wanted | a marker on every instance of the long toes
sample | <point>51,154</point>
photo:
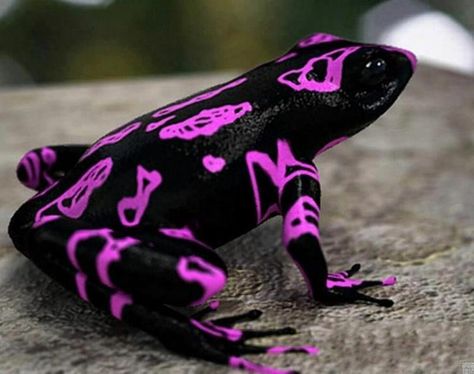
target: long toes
<point>307,349</point>
<point>354,269</point>
<point>250,334</point>
<point>382,302</point>
<point>251,315</point>
<point>252,367</point>
<point>211,307</point>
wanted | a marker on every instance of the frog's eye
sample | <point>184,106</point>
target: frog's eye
<point>374,72</point>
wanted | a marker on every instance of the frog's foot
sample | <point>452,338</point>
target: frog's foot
<point>343,288</point>
<point>232,342</point>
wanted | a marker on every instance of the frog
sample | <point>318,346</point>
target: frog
<point>132,223</point>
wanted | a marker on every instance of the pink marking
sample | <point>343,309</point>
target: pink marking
<point>341,280</point>
<point>32,164</point>
<point>44,220</point>
<point>389,281</point>
<point>332,80</point>
<point>331,144</point>
<point>109,253</point>
<point>111,139</point>
<point>308,349</point>
<point>277,173</point>
<point>213,164</point>
<point>210,278</point>
<point>242,363</point>
<point>183,233</point>
<point>147,182</point>
<point>214,304</point>
<point>117,302</point>
<point>317,38</point>
<point>48,155</point>
<point>50,187</point>
<point>155,125</point>
<point>230,334</point>
<point>286,57</point>
<point>299,219</point>
<point>205,123</point>
<point>198,98</point>
<point>81,280</point>
<point>411,56</point>
<point>79,194</point>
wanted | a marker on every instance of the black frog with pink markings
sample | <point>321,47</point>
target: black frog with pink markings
<point>132,222</point>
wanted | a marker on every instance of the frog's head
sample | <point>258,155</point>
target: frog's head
<point>343,85</point>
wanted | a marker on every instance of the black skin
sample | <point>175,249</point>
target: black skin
<point>215,207</point>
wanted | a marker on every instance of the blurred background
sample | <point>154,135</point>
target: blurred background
<point>51,41</point>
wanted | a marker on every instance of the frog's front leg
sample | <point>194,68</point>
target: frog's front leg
<point>41,167</point>
<point>300,207</point>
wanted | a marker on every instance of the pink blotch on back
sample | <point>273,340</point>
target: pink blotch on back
<point>198,98</point>
<point>213,164</point>
<point>118,301</point>
<point>317,38</point>
<point>147,182</point>
<point>205,123</point>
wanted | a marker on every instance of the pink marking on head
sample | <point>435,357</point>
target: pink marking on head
<point>286,57</point>
<point>81,281</point>
<point>242,363</point>
<point>111,139</point>
<point>213,164</point>
<point>79,194</point>
<point>317,38</point>
<point>277,173</point>
<point>155,125</point>
<point>204,96</point>
<point>210,278</point>
<point>228,333</point>
<point>308,349</point>
<point>389,281</point>
<point>206,123</point>
<point>332,80</point>
<point>184,233</point>
<point>147,182</point>
<point>409,55</point>
<point>331,144</point>
<point>117,302</point>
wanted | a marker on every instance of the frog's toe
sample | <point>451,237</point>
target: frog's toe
<point>251,315</point>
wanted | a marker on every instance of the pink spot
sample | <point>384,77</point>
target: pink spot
<point>331,144</point>
<point>317,38</point>
<point>308,349</point>
<point>155,125</point>
<point>195,269</point>
<point>75,200</point>
<point>111,139</point>
<point>81,280</point>
<point>230,334</point>
<point>147,182</point>
<point>205,123</point>
<point>286,57</point>
<point>32,165</point>
<point>389,281</point>
<point>214,304</point>
<point>182,233</point>
<point>277,172</point>
<point>213,164</point>
<point>298,80</point>
<point>301,219</point>
<point>242,363</point>
<point>44,220</point>
<point>204,96</point>
<point>48,155</point>
<point>117,302</point>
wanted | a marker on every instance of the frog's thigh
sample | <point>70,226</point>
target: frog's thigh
<point>163,270</point>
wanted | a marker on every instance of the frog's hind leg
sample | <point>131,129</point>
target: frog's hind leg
<point>132,278</point>
<point>41,167</point>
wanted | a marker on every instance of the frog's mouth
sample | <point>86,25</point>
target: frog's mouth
<point>376,97</point>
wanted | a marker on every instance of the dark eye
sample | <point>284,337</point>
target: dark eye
<point>373,72</point>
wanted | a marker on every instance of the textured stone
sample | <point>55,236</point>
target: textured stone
<point>398,198</point>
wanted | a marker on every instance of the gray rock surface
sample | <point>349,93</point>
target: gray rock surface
<point>398,198</point>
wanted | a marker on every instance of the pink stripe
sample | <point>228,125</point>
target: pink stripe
<point>81,280</point>
<point>117,302</point>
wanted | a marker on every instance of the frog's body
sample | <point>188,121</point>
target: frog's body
<point>130,223</point>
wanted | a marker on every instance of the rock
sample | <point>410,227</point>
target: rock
<point>396,198</point>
